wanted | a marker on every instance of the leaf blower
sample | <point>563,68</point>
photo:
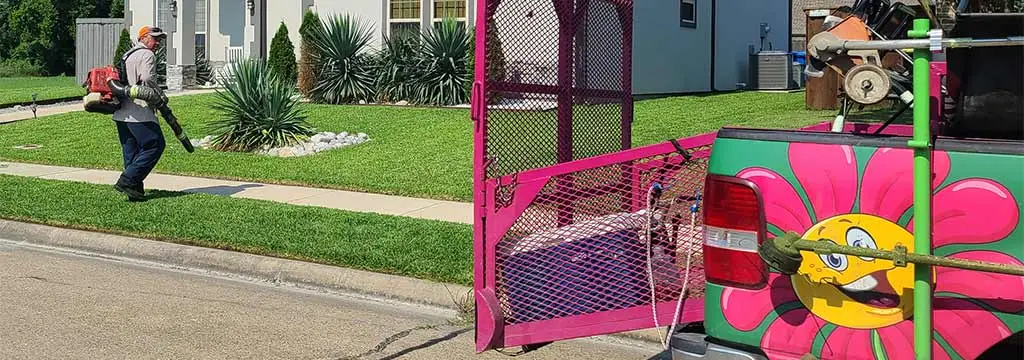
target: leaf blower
<point>106,92</point>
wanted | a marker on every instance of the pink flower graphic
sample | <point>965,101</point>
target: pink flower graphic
<point>968,211</point>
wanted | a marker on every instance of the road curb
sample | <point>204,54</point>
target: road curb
<point>259,267</point>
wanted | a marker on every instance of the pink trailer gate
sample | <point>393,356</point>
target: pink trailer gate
<point>575,231</point>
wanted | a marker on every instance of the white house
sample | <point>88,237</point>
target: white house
<point>679,46</point>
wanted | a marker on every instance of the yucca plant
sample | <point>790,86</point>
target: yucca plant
<point>442,63</point>
<point>204,73</point>
<point>343,61</point>
<point>396,68</point>
<point>258,109</point>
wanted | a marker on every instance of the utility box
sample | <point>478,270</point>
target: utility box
<point>771,70</point>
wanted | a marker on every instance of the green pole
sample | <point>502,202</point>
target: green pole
<point>922,196</point>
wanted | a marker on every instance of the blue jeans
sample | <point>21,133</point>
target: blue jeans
<point>142,144</point>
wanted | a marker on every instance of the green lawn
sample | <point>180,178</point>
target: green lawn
<point>413,152</point>
<point>424,249</point>
<point>19,90</point>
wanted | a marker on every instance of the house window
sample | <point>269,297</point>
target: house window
<point>200,16</point>
<point>688,13</point>
<point>201,44</point>
<point>404,16</point>
<point>201,21</point>
<point>163,14</point>
<point>453,9</point>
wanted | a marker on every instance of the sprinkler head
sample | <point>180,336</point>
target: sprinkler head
<point>780,254</point>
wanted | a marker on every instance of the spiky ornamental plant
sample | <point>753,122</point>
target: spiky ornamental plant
<point>442,62</point>
<point>257,110</point>
<point>204,74</point>
<point>307,74</point>
<point>344,65</point>
<point>161,65</point>
<point>471,61</point>
<point>282,55</point>
<point>397,68</point>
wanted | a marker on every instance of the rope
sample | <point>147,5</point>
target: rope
<point>651,200</point>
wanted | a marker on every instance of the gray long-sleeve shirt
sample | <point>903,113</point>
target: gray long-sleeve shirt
<point>141,68</point>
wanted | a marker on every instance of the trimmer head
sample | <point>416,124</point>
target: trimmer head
<point>779,254</point>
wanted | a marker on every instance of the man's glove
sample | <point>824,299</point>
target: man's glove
<point>155,97</point>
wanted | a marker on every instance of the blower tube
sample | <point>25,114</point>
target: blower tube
<point>156,98</point>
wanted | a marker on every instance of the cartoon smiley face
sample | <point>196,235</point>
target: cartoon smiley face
<point>851,291</point>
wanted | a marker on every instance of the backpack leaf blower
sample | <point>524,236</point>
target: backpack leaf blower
<point>106,92</point>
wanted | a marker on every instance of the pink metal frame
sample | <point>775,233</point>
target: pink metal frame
<point>495,215</point>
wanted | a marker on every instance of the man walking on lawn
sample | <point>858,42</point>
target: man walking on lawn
<point>142,141</point>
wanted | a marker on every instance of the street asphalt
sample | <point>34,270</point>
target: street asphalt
<point>59,304</point>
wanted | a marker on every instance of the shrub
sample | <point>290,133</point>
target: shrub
<point>257,109</point>
<point>282,55</point>
<point>307,77</point>
<point>442,62</point>
<point>496,64</point>
<point>204,74</point>
<point>397,68</point>
<point>117,9</point>
<point>344,66</point>
<point>124,43</point>
<point>32,24</point>
<point>19,68</point>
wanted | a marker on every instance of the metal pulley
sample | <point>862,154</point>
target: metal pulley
<point>867,84</point>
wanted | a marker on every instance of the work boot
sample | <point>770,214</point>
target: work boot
<point>134,193</point>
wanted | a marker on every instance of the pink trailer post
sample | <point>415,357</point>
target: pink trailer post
<point>575,232</point>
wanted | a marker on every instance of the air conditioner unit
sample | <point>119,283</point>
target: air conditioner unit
<point>771,70</point>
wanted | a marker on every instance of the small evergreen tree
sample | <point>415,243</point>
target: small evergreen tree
<point>282,55</point>
<point>124,43</point>
<point>307,76</point>
<point>117,9</point>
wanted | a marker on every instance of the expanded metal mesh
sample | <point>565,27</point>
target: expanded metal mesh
<point>582,246</point>
<point>560,96</point>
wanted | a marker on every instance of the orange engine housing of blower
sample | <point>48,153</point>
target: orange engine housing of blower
<point>96,81</point>
<point>99,98</point>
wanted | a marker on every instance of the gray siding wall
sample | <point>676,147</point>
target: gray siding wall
<point>737,28</point>
<point>668,58</point>
<point>95,43</point>
<point>231,20</point>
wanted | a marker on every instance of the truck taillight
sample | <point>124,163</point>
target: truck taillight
<point>734,226</point>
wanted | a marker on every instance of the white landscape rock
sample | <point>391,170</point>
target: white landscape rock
<point>319,142</point>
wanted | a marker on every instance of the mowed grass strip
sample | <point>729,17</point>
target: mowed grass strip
<point>19,90</point>
<point>425,249</point>
<point>418,152</point>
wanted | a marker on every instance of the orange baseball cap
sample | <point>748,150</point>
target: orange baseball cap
<point>151,31</point>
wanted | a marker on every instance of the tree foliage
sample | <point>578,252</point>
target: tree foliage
<point>282,55</point>
<point>124,43</point>
<point>42,32</point>
<point>307,52</point>
<point>117,9</point>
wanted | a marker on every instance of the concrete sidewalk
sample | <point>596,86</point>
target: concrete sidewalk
<point>25,113</point>
<point>295,195</point>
